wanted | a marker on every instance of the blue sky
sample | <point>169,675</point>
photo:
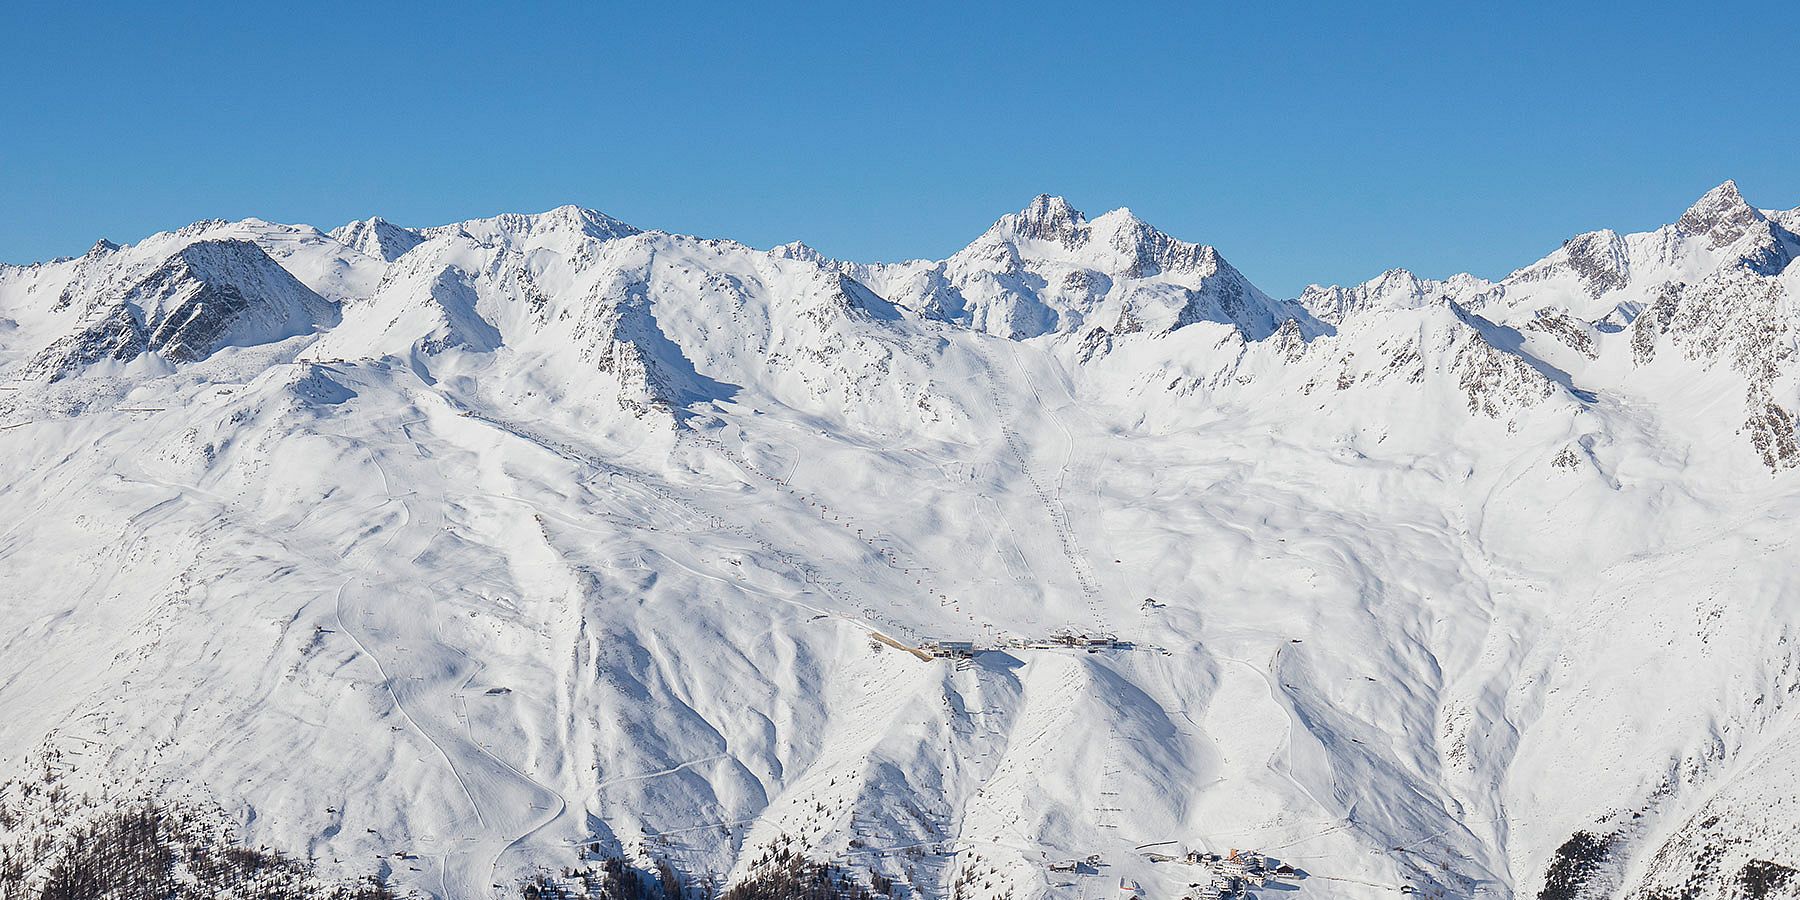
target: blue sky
<point>1307,144</point>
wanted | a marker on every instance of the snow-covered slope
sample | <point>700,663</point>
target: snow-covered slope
<point>493,541</point>
<point>377,237</point>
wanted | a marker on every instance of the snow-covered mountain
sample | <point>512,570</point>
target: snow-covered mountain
<point>377,237</point>
<point>489,543</point>
<point>1047,270</point>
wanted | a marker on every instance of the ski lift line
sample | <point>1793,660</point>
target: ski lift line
<point>1341,826</point>
<point>1059,519</point>
<point>888,555</point>
<point>743,464</point>
<point>806,571</point>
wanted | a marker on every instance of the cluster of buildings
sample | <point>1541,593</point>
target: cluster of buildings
<point>1235,873</point>
<point>1229,876</point>
<point>950,649</point>
<point>1092,642</point>
<point>1092,863</point>
<point>1070,639</point>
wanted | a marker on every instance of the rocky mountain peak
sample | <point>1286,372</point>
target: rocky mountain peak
<point>206,295</point>
<point>1047,218</point>
<point>590,222</point>
<point>798,250</point>
<point>1721,216</point>
<point>517,229</point>
<point>1392,289</point>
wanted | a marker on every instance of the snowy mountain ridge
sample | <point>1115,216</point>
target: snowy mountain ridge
<point>489,542</point>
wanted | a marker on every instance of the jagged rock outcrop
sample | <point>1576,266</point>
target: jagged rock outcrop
<point>208,295</point>
<point>1395,289</point>
<point>1048,269</point>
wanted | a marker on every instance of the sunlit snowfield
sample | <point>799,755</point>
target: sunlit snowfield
<point>494,540</point>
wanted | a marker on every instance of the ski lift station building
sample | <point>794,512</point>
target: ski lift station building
<point>950,649</point>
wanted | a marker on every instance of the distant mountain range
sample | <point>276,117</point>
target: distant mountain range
<point>481,546</point>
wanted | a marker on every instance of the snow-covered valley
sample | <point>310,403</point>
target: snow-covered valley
<point>490,543</point>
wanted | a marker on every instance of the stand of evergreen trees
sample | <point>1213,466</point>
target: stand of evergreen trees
<point>56,844</point>
<point>779,873</point>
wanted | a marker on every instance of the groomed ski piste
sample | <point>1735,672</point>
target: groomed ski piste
<point>458,552</point>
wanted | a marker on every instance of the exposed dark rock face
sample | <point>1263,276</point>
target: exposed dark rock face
<point>1153,252</point>
<point>1051,219</point>
<point>1648,327</point>
<point>1598,259</point>
<point>1495,381</point>
<point>1568,330</point>
<point>115,334</point>
<point>1723,220</point>
<point>208,295</point>
<point>1721,216</point>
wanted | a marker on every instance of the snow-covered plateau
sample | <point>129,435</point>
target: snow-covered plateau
<point>463,553</point>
